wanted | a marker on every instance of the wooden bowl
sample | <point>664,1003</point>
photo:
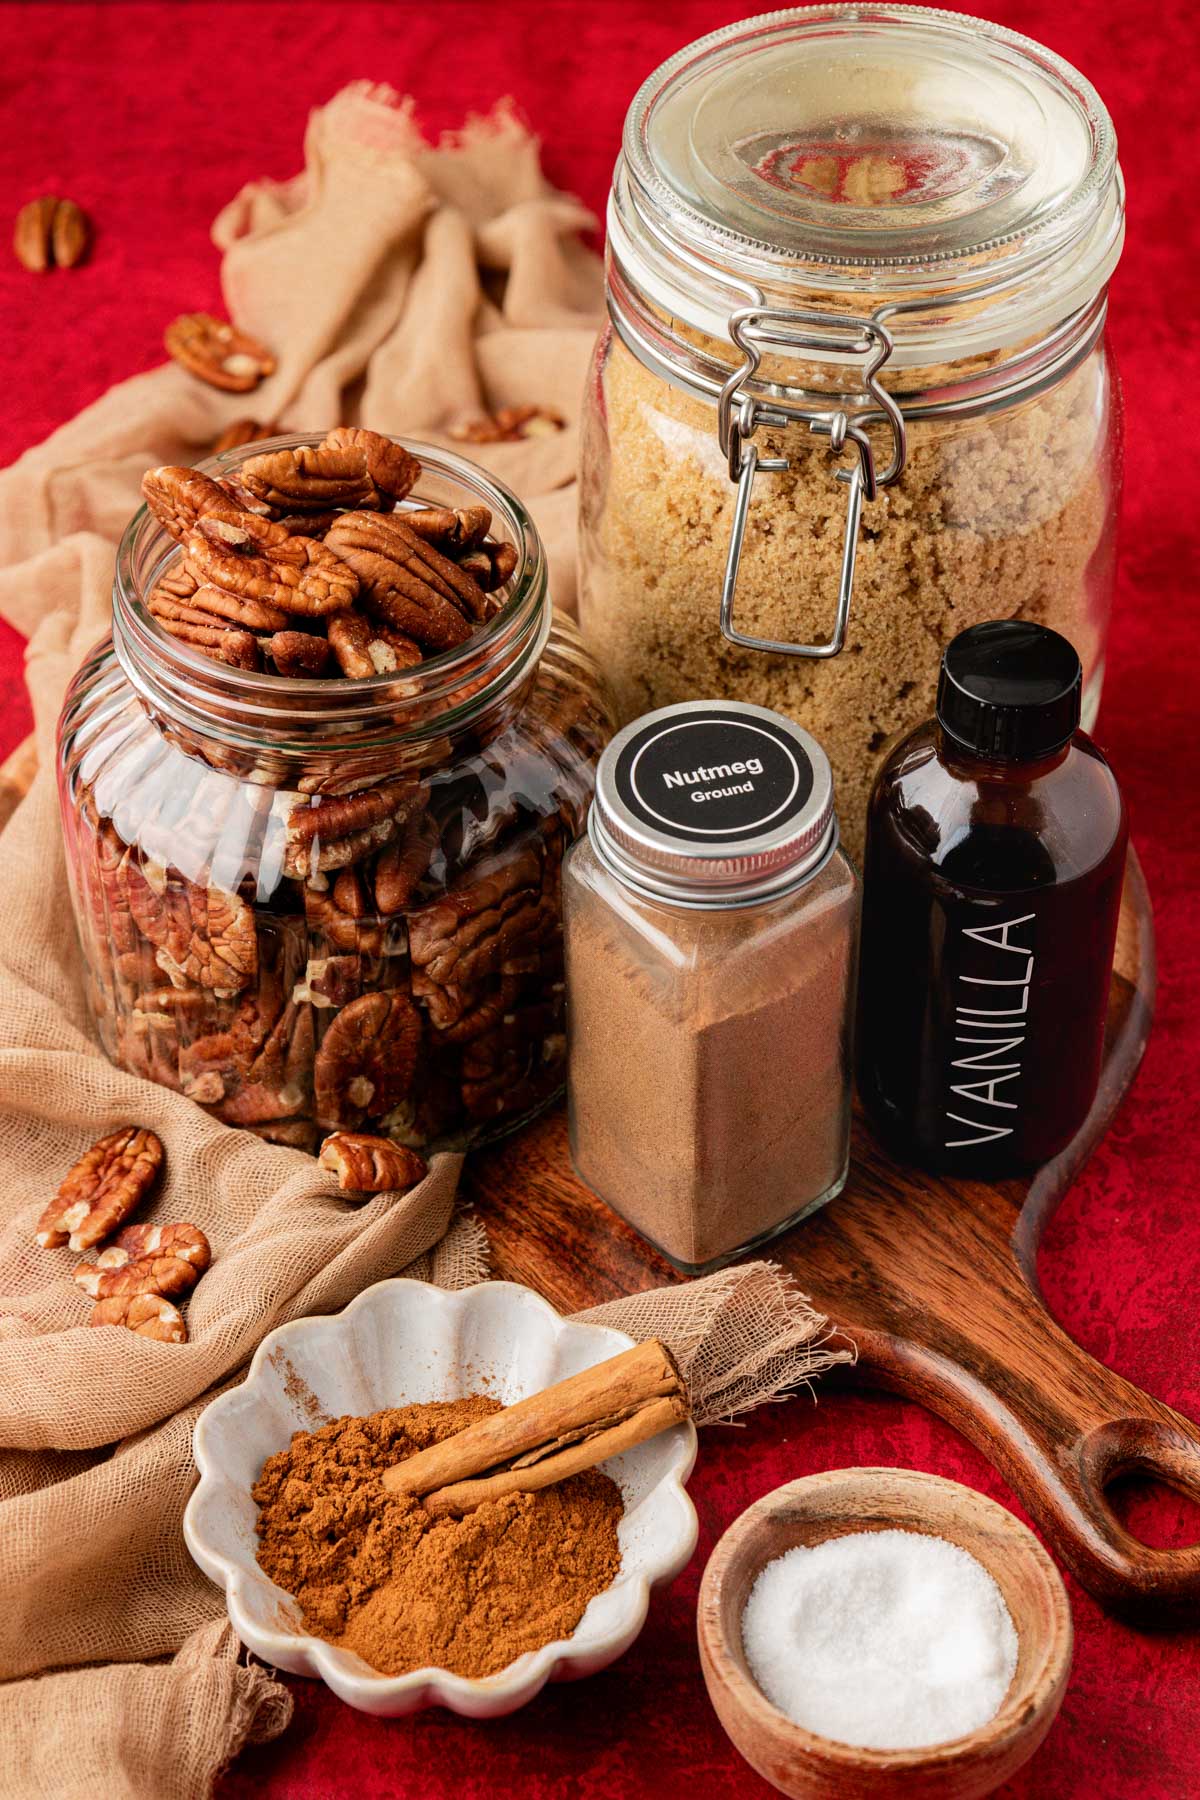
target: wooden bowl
<point>809,1767</point>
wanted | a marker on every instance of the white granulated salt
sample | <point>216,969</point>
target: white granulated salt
<point>889,1640</point>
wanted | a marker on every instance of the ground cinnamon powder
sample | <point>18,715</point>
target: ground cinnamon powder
<point>375,1573</point>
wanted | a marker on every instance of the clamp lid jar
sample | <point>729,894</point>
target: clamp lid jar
<point>711,930</point>
<point>857,273</point>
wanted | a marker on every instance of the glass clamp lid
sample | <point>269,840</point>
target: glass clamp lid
<point>713,803</point>
<point>858,186</point>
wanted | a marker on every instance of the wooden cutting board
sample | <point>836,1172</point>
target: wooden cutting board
<point>935,1280</point>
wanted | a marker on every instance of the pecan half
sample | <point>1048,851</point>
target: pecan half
<point>514,1067</point>
<point>149,1315</point>
<point>509,425</point>
<point>242,431</point>
<point>240,609</point>
<point>333,832</point>
<point>51,234</point>
<point>367,1059</point>
<point>490,922</point>
<point>203,936</point>
<point>110,904</point>
<point>293,1134</point>
<point>259,1067</point>
<point>147,1044</point>
<point>404,864</point>
<point>298,574</point>
<point>450,531</point>
<point>217,638</point>
<point>176,583</point>
<point>363,647</point>
<point>182,1240</point>
<point>406,581</point>
<point>491,565</point>
<point>341,914</point>
<point>171,1262</point>
<point>102,1189</point>
<point>218,352</point>
<point>370,1165</point>
<point>180,497</point>
<point>351,467</point>
<point>297,653</point>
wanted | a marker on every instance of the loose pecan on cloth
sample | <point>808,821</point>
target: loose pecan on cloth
<point>218,352</point>
<point>102,1189</point>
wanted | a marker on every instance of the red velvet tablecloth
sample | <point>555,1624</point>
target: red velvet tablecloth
<point>152,115</point>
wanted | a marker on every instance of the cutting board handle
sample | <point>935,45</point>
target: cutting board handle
<point>1166,1450</point>
<point>1063,1428</point>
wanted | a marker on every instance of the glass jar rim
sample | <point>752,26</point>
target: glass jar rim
<point>696,265</point>
<point>248,707</point>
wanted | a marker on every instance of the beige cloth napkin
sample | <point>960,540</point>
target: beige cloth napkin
<point>408,288</point>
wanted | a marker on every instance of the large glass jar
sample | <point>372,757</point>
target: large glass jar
<point>312,904</point>
<point>854,394</point>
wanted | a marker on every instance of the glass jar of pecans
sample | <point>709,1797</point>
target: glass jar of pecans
<point>854,395</point>
<point>313,902</point>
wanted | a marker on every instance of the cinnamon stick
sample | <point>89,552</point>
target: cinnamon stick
<point>566,1428</point>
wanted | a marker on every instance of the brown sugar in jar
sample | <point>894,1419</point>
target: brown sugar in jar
<point>711,933</point>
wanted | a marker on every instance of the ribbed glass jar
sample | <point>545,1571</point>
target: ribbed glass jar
<point>313,904</point>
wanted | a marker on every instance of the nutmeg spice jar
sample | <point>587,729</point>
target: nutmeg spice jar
<point>312,904</point>
<point>712,938</point>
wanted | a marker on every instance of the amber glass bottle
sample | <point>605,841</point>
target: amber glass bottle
<point>995,855</point>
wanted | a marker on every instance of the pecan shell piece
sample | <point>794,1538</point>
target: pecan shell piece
<point>149,1315</point>
<point>102,1189</point>
<point>218,352</point>
<point>371,1165</point>
<point>367,1059</point>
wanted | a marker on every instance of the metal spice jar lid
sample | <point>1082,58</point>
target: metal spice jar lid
<point>713,803</point>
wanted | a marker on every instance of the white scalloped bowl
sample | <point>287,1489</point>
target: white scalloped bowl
<point>397,1343</point>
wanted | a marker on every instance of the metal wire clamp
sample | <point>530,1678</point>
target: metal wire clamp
<point>740,415</point>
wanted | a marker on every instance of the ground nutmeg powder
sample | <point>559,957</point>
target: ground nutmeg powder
<point>375,1573</point>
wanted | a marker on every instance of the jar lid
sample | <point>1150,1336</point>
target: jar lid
<point>884,150</point>
<point>713,803</point>
<point>1010,689</point>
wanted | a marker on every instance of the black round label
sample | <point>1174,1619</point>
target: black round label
<point>709,777</point>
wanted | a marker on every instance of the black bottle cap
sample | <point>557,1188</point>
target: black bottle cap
<point>1010,690</point>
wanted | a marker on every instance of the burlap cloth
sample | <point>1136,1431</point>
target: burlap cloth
<point>408,288</point>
